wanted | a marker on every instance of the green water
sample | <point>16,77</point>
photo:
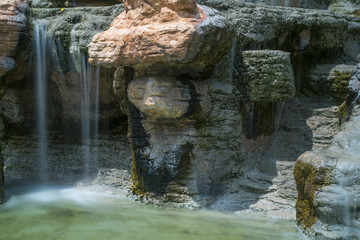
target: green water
<point>71,214</point>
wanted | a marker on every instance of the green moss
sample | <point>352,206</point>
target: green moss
<point>137,186</point>
<point>309,180</point>
<point>343,112</point>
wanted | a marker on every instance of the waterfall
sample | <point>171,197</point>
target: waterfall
<point>89,85</point>
<point>40,42</point>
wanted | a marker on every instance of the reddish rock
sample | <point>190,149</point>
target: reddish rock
<point>154,33</point>
<point>12,24</point>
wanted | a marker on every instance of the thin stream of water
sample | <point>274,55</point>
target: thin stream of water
<point>40,40</point>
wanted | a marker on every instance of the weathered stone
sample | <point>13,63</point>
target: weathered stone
<point>72,3</point>
<point>345,7</point>
<point>329,80</point>
<point>120,89</point>
<point>160,97</point>
<point>75,27</point>
<point>327,182</point>
<point>12,28</point>
<point>267,75</point>
<point>354,83</point>
<point>339,78</point>
<point>67,87</point>
<point>158,34</point>
<point>65,164</point>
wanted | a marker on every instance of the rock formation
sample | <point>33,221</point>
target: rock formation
<point>163,37</point>
<point>220,103</point>
<point>168,44</point>
<point>179,103</point>
<point>12,31</point>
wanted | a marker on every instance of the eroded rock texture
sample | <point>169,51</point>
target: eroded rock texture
<point>267,76</point>
<point>152,36</point>
<point>327,182</point>
<point>12,28</point>
<point>168,45</point>
<point>12,31</point>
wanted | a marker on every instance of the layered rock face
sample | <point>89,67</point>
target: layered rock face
<point>152,37</point>
<point>277,76</point>
<point>12,29</point>
<point>168,45</point>
<point>328,202</point>
<point>67,33</point>
<point>185,127</point>
<point>327,180</point>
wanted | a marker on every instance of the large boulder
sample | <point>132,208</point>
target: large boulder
<point>268,75</point>
<point>152,36</point>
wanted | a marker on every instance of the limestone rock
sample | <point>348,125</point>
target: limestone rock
<point>120,89</point>
<point>12,29</point>
<point>160,33</point>
<point>354,83</point>
<point>160,97</point>
<point>75,27</point>
<point>268,75</point>
<point>327,183</point>
<point>340,77</point>
<point>72,3</point>
<point>345,7</point>
<point>329,80</point>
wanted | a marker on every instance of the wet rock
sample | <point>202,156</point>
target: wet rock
<point>74,27</point>
<point>66,164</point>
<point>354,83</point>
<point>330,80</point>
<point>120,89</point>
<point>268,75</point>
<point>66,89</point>
<point>340,77</point>
<point>13,22</point>
<point>328,202</point>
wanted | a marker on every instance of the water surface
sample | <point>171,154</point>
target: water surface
<point>72,214</point>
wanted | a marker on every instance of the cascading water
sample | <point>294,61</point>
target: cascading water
<point>89,110</point>
<point>40,42</point>
<point>85,76</point>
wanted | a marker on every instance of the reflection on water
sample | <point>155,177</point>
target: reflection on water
<point>75,215</point>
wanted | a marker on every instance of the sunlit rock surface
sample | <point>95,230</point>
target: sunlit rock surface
<point>327,182</point>
<point>158,34</point>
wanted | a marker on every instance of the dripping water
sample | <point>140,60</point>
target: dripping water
<point>89,87</point>
<point>85,75</point>
<point>278,109</point>
<point>346,212</point>
<point>40,42</point>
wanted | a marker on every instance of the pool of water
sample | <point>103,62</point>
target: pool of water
<point>73,214</point>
